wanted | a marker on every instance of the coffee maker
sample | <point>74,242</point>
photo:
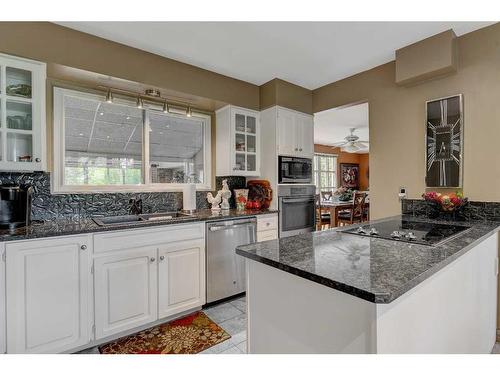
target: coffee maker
<point>15,206</point>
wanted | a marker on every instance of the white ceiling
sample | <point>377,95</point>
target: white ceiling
<point>333,125</point>
<point>309,54</point>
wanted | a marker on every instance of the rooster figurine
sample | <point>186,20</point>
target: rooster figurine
<point>214,201</point>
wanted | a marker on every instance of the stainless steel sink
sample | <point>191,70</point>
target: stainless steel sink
<point>165,216</point>
<point>117,220</point>
<point>130,219</point>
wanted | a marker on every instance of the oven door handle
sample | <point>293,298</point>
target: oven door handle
<point>297,200</point>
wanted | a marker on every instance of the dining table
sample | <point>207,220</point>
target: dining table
<point>335,206</point>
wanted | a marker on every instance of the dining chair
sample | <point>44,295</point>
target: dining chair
<point>355,213</point>
<point>326,196</point>
<point>322,218</point>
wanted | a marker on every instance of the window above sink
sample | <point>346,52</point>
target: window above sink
<point>115,147</point>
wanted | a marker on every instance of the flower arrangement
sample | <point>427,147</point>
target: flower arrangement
<point>447,202</point>
<point>343,194</point>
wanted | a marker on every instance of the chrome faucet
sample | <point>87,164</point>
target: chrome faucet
<point>135,206</point>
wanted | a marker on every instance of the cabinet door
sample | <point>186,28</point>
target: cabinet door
<point>245,142</point>
<point>49,298</point>
<point>267,235</point>
<point>3,323</point>
<point>287,133</point>
<point>125,290</point>
<point>305,135</point>
<point>22,114</point>
<point>181,275</point>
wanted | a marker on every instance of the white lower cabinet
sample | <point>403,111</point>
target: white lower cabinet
<point>267,235</point>
<point>3,323</point>
<point>181,277</point>
<point>139,284</point>
<point>267,227</point>
<point>139,276</point>
<point>49,294</point>
<point>125,290</point>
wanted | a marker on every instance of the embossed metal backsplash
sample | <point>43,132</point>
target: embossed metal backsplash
<point>475,211</point>
<point>47,206</point>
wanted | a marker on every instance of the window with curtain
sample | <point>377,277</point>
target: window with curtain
<point>325,172</point>
<point>117,146</point>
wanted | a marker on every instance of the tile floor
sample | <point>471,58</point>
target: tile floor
<point>231,316</point>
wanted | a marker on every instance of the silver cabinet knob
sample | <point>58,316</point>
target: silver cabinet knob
<point>152,259</point>
<point>38,160</point>
<point>83,247</point>
<point>162,257</point>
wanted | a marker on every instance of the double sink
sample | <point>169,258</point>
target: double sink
<point>131,219</point>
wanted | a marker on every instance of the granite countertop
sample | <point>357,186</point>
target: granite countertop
<point>375,270</point>
<point>67,227</point>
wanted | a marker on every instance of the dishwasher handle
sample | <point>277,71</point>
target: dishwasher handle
<point>224,227</point>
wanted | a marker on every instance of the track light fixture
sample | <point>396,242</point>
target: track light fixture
<point>140,103</point>
<point>109,96</point>
<point>151,96</point>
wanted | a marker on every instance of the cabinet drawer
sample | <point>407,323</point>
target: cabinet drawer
<point>267,235</point>
<point>266,222</point>
<point>126,239</point>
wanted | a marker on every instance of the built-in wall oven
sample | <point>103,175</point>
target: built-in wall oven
<point>296,205</point>
<point>294,170</point>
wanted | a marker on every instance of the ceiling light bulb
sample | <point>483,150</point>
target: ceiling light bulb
<point>189,111</point>
<point>109,96</point>
<point>166,108</point>
<point>350,148</point>
<point>140,103</point>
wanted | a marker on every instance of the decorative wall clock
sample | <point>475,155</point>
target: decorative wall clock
<point>444,142</point>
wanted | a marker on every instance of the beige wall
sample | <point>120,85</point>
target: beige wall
<point>52,43</point>
<point>285,94</point>
<point>397,121</point>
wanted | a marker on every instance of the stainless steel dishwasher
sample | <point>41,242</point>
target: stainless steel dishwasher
<point>225,269</point>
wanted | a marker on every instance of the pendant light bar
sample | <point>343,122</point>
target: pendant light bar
<point>141,98</point>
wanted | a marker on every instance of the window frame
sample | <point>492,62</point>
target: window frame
<point>317,172</point>
<point>59,148</point>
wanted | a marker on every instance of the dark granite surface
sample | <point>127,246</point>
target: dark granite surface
<point>373,269</point>
<point>68,226</point>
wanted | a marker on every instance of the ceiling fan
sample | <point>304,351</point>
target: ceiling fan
<point>352,143</point>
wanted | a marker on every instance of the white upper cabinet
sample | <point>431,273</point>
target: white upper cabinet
<point>49,294</point>
<point>238,142</point>
<point>295,133</point>
<point>22,114</point>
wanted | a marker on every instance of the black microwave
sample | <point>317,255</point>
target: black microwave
<point>294,170</point>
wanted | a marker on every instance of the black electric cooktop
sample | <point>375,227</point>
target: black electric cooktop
<point>408,231</point>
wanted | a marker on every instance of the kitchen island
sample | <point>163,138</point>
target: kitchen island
<point>334,292</point>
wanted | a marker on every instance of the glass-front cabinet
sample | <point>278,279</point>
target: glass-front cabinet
<point>237,142</point>
<point>22,114</point>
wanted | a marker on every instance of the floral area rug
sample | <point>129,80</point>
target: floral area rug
<point>189,335</point>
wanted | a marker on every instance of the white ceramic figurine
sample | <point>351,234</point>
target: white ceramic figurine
<point>225,194</point>
<point>214,201</point>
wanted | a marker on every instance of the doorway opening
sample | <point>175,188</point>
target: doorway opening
<point>341,165</point>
